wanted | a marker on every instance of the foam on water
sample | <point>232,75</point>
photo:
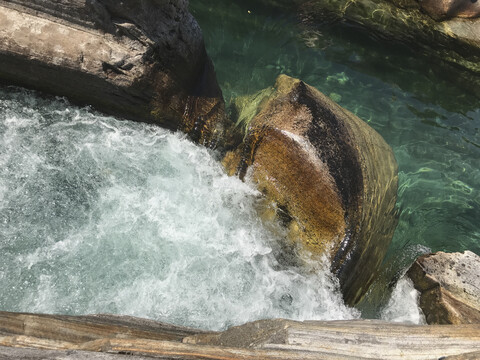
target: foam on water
<point>403,304</point>
<point>107,216</point>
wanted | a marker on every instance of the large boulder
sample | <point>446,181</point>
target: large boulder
<point>140,60</point>
<point>449,286</point>
<point>332,178</point>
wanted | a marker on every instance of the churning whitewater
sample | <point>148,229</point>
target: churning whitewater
<point>99,215</point>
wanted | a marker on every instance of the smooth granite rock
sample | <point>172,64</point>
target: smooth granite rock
<point>331,177</point>
<point>143,60</point>
<point>449,286</point>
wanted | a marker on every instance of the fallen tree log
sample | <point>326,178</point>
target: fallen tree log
<point>84,337</point>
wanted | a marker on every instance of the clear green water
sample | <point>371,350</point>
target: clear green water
<point>432,125</point>
<point>100,215</point>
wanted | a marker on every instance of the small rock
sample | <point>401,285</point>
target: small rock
<point>445,9</point>
<point>449,287</point>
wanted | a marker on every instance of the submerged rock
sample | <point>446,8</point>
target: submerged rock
<point>447,31</point>
<point>29,336</point>
<point>444,9</point>
<point>332,178</point>
<point>449,286</point>
<point>141,60</point>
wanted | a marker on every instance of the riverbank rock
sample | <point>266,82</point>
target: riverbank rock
<point>31,336</point>
<point>331,177</point>
<point>445,31</point>
<point>449,286</point>
<point>144,60</point>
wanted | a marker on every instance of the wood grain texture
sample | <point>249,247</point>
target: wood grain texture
<point>84,337</point>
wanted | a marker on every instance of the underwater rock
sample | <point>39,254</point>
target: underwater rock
<point>143,60</point>
<point>331,177</point>
<point>449,286</point>
<point>444,9</point>
<point>30,336</point>
<point>406,4</point>
<point>453,44</point>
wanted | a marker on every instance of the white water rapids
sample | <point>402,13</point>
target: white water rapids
<point>99,215</point>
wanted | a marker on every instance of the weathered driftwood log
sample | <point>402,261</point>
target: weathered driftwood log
<point>331,176</point>
<point>81,329</point>
<point>68,337</point>
<point>140,60</point>
<point>449,286</point>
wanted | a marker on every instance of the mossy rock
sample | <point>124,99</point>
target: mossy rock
<point>333,178</point>
<point>447,31</point>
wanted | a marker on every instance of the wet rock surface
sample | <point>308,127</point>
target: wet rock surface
<point>447,32</point>
<point>444,9</point>
<point>449,286</point>
<point>332,178</point>
<point>144,61</point>
<point>28,336</point>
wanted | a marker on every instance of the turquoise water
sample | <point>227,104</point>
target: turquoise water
<point>102,215</point>
<point>99,215</point>
<point>432,125</point>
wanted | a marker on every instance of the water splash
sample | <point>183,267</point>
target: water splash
<point>403,304</point>
<point>100,215</point>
